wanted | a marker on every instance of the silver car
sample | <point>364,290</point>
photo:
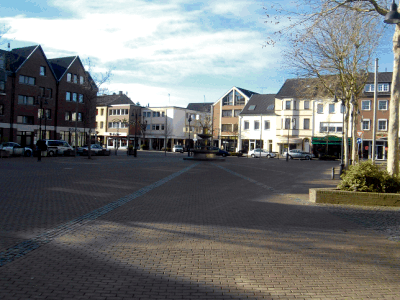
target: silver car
<point>297,153</point>
<point>257,152</point>
<point>16,149</point>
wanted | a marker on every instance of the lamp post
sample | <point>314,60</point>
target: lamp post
<point>335,100</point>
<point>189,120</point>
<point>40,114</point>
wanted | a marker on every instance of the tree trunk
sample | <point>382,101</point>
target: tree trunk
<point>90,144</point>
<point>345,138</point>
<point>354,149</point>
<point>393,134</point>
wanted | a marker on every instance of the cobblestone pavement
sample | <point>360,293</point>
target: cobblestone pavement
<point>158,227</point>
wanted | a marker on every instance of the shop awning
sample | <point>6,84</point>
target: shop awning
<point>331,140</point>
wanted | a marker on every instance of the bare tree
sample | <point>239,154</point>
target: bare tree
<point>338,55</point>
<point>93,85</point>
<point>168,131</point>
<point>309,13</point>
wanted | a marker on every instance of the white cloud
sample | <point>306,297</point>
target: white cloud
<point>151,42</point>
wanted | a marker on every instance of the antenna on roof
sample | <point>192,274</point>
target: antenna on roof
<point>9,46</point>
<point>169,98</point>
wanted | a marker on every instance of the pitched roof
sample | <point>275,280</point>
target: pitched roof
<point>203,107</point>
<point>300,87</point>
<point>61,64</point>
<point>260,104</point>
<point>17,57</point>
<point>246,92</point>
<point>114,99</point>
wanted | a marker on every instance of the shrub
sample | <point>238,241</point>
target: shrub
<point>368,177</point>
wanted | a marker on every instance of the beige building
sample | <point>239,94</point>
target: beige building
<point>225,113</point>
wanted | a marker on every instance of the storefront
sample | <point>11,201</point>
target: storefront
<point>328,145</point>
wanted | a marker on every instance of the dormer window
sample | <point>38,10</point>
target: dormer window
<point>252,107</point>
<point>383,87</point>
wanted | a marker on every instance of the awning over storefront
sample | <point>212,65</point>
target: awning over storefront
<point>331,140</point>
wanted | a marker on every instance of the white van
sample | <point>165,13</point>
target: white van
<point>57,147</point>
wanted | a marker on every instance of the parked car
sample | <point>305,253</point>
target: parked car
<point>95,148</point>
<point>57,147</point>
<point>257,152</point>
<point>220,152</point>
<point>177,148</point>
<point>297,153</point>
<point>16,149</point>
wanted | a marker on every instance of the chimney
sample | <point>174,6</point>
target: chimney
<point>120,92</point>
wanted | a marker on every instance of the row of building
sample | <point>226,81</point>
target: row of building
<point>56,99</point>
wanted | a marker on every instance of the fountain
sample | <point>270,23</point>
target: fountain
<point>204,153</point>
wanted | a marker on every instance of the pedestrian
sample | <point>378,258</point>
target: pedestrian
<point>40,146</point>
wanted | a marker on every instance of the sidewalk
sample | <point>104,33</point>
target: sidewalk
<point>156,227</point>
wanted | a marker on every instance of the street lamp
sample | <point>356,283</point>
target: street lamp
<point>40,114</point>
<point>189,120</point>
<point>392,17</point>
<point>335,100</point>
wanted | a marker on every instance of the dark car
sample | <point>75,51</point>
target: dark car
<point>220,152</point>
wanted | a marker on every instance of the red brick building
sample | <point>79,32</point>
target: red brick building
<point>36,94</point>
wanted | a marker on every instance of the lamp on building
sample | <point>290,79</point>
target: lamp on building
<point>393,16</point>
<point>189,120</point>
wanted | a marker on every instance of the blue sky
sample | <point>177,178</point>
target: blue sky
<point>190,50</point>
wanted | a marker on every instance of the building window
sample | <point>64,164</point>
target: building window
<point>69,77</point>
<point>256,125</point>
<point>162,127</point>
<point>382,104</point>
<point>382,125</point>
<point>320,108</point>
<point>81,80</point>
<point>42,91</point>
<point>267,125</point>
<point>154,114</point>
<point>1,109</point>
<point>226,113</point>
<point>26,100</point>
<point>74,95</point>
<point>330,127</point>
<point>42,71</point>
<point>68,96</point>
<point>331,108</point>
<point>25,119</point>
<point>2,86</point>
<point>49,93</point>
<point>227,127</point>
<point>27,80</point>
<point>67,116</point>
<point>80,98</point>
<point>306,124</point>
<point>369,88</point>
<point>101,124</point>
<point>80,117</point>
<point>228,99</point>
<point>366,124</point>
<point>75,78</point>
<point>236,112</point>
<point>366,105</point>
<point>102,111</point>
<point>246,125</point>
<point>73,116</point>
<point>288,104</point>
<point>383,87</point>
<point>306,104</point>
<point>48,114</point>
<point>287,123</point>
<point>239,99</point>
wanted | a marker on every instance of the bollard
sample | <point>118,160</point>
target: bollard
<point>333,173</point>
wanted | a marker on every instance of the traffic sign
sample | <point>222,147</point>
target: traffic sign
<point>360,133</point>
<point>359,140</point>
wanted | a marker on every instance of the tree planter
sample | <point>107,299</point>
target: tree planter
<point>335,196</point>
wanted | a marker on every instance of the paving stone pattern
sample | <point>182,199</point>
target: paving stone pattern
<point>158,227</point>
